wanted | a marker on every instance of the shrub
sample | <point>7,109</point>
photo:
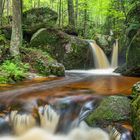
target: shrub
<point>13,71</point>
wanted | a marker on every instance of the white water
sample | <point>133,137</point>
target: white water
<point>114,59</point>
<point>100,59</point>
<point>108,71</point>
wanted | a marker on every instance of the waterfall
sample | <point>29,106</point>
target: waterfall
<point>114,59</point>
<point>100,59</point>
<point>99,56</point>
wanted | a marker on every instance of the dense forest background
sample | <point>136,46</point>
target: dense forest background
<point>88,16</point>
<point>36,34</point>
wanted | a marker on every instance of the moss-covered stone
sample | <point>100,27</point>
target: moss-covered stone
<point>33,20</point>
<point>68,50</point>
<point>112,108</point>
<point>41,62</point>
<point>132,42</point>
<point>38,16</point>
<point>124,70</point>
<point>133,54</point>
<point>105,42</point>
<point>135,109</point>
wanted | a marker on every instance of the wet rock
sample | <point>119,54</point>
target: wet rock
<point>111,109</point>
<point>87,108</point>
<point>69,50</point>
<point>57,69</point>
<point>105,42</point>
<point>5,127</point>
<point>118,132</point>
<point>135,109</point>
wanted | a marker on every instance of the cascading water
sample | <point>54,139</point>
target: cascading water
<point>99,56</point>
<point>100,59</point>
<point>114,60</point>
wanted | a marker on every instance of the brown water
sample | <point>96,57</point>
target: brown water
<point>69,86</point>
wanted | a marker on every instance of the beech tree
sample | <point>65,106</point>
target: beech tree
<point>71,16</point>
<point>1,10</point>
<point>16,37</point>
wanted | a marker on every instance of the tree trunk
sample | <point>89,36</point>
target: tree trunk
<point>85,21</point>
<point>76,13</point>
<point>16,38</point>
<point>1,10</point>
<point>60,7</point>
<point>8,9</point>
<point>71,13</point>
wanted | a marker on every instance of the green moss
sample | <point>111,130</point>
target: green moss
<point>135,110</point>
<point>41,62</point>
<point>113,108</point>
<point>68,50</point>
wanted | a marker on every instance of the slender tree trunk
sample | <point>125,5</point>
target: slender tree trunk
<point>60,7</point>
<point>71,13</point>
<point>76,13</point>
<point>16,38</point>
<point>62,13</point>
<point>38,3</point>
<point>2,2</point>
<point>8,9</point>
<point>85,22</point>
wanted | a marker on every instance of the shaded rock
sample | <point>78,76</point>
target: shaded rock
<point>5,127</point>
<point>133,53</point>
<point>105,42</point>
<point>41,62</point>
<point>33,20</point>
<point>135,109</point>
<point>132,67</point>
<point>111,109</point>
<point>57,69</point>
<point>124,70</point>
<point>68,50</point>
<point>38,16</point>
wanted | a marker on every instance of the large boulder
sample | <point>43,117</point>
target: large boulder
<point>68,50</point>
<point>111,109</point>
<point>135,109</point>
<point>133,34</point>
<point>132,66</point>
<point>105,42</point>
<point>133,54</point>
<point>33,20</point>
<point>41,62</point>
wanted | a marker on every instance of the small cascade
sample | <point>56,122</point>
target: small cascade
<point>114,59</point>
<point>99,56</point>
<point>100,59</point>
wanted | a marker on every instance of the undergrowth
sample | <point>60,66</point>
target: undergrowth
<point>11,71</point>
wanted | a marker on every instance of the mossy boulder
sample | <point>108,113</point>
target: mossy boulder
<point>38,16</point>
<point>111,109</point>
<point>33,20</point>
<point>133,53</point>
<point>135,109</point>
<point>41,62</point>
<point>105,42</point>
<point>132,67</point>
<point>68,50</point>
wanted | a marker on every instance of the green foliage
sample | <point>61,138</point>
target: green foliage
<point>2,38</point>
<point>13,72</point>
<point>41,67</point>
